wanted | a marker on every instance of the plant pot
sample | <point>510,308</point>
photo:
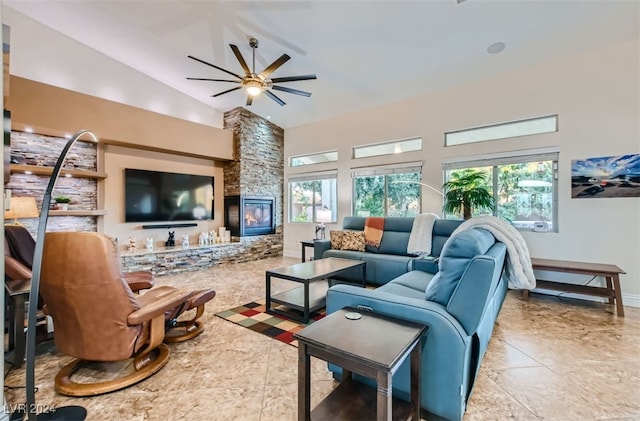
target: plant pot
<point>63,206</point>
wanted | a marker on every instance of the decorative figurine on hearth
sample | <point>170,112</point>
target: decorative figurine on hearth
<point>132,244</point>
<point>185,241</point>
<point>203,239</point>
<point>171,242</point>
<point>149,243</point>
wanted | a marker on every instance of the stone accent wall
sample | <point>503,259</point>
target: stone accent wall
<point>42,150</point>
<point>257,168</point>
<point>174,260</point>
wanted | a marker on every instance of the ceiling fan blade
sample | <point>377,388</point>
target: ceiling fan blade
<point>212,80</point>
<point>291,90</point>
<point>227,91</point>
<point>215,67</point>
<point>238,54</point>
<point>249,100</point>
<point>273,66</point>
<point>293,78</point>
<point>273,97</point>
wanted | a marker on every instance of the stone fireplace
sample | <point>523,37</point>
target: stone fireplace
<point>254,182</point>
<point>248,215</point>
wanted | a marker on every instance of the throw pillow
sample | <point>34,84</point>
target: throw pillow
<point>353,240</point>
<point>336,239</point>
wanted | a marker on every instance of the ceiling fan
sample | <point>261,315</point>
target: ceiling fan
<point>257,83</point>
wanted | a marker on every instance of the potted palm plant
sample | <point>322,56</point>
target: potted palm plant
<point>465,192</point>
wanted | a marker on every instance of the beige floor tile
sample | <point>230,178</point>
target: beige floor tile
<point>551,358</point>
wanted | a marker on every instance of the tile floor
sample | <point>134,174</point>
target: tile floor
<point>549,359</point>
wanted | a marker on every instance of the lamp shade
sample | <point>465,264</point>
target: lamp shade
<point>22,207</point>
<point>324,215</point>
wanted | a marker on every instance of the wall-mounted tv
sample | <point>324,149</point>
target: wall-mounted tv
<point>163,196</point>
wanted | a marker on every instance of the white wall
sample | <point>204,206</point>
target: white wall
<point>596,95</point>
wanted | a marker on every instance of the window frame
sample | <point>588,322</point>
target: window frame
<point>322,176</point>
<point>488,127</point>
<point>394,143</point>
<point>509,158</point>
<point>386,170</point>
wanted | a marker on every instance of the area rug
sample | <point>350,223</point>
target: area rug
<point>253,316</point>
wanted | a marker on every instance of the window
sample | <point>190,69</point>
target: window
<point>524,186</point>
<point>312,198</point>
<point>387,190</point>
<point>316,158</point>
<point>526,127</point>
<point>388,148</point>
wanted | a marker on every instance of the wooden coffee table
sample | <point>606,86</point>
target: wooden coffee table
<point>374,346</point>
<point>311,295</point>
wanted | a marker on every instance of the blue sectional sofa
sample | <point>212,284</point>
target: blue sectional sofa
<point>390,260</point>
<point>459,303</point>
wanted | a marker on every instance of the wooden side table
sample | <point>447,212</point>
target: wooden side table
<point>357,346</point>
<point>304,245</point>
<point>611,274</point>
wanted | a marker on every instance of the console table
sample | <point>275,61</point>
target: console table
<point>611,274</point>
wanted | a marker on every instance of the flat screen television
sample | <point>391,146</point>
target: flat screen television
<point>154,196</point>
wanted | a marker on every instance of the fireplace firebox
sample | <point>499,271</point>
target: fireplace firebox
<point>247,215</point>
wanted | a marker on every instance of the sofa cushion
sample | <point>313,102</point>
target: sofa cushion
<point>402,291</point>
<point>415,279</point>
<point>455,256</point>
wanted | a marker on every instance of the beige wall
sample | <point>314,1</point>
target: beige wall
<point>596,95</point>
<point>118,158</point>
<point>49,107</point>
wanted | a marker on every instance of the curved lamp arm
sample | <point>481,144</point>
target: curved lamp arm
<point>35,273</point>
<point>422,184</point>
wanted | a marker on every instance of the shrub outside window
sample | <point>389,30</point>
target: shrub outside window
<point>387,191</point>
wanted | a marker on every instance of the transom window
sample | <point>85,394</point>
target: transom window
<point>315,158</point>
<point>387,190</point>
<point>524,186</point>
<point>388,148</point>
<point>517,128</point>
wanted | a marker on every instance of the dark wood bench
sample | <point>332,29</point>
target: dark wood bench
<point>611,274</point>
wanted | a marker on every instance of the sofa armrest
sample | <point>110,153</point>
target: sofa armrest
<point>472,294</point>
<point>427,264</point>
<point>416,310</point>
<point>319,247</point>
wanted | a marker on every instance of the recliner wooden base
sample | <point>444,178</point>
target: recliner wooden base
<point>191,330</point>
<point>145,367</point>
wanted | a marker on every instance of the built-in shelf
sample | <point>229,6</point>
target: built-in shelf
<point>88,212</point>
<point>39,170</point>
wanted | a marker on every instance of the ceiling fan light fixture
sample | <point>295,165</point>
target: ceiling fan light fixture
<point>254,87</point>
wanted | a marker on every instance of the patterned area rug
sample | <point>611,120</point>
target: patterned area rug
<point>253,316</point>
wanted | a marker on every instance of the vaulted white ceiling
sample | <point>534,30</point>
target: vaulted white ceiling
<point>365,53</point>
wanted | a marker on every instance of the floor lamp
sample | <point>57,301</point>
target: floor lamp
<point>75,413</point>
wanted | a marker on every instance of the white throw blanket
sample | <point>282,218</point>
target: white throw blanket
<point>420,237</point>
<point>518,270</point>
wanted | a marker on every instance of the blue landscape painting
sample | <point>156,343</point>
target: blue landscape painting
<point>609,176</point>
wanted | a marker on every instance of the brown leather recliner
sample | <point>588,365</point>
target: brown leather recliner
<point>96,315</point>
